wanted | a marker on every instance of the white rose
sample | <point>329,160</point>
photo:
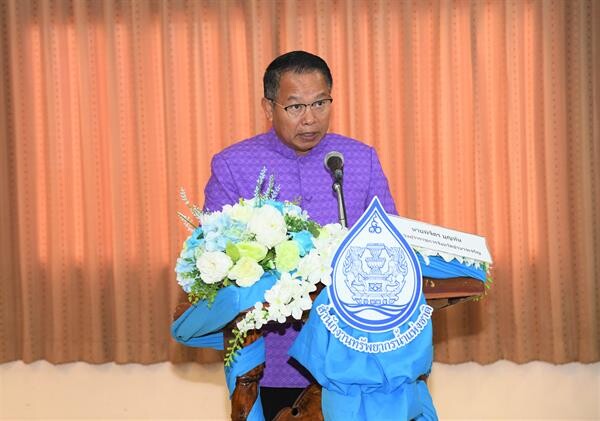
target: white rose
<point>268,225</point>
<point>213,266</point>
<point>241,213</point>
<point>246,272</point>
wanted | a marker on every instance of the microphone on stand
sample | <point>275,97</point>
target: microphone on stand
<point>334,162</point>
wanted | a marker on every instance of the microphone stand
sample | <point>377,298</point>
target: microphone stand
<point>337,188</point>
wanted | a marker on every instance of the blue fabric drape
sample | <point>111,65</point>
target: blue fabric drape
<point>439,268</point>
<point>202,319</point>
<point>201,325</point>
<point>365,386</point>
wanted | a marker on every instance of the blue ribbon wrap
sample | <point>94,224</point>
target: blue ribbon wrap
<point>366,386</point>
<point>200,326</point>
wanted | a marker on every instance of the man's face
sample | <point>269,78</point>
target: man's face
<point>304,132</point>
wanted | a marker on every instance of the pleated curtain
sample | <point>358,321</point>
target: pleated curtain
<point>485,115</point>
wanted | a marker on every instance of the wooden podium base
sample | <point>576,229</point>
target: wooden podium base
<point>306,408</point>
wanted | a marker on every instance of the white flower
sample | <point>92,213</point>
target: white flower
<point>259,315</point>
<point>268,225</point>
<point>246,272</point>
<point>288,297</point>
<point>213,266</point>
<point>227,210</point>
<point>314,268</point>
<point>279,297</point>
<point>328,241</point>
<point>246,324</point>
<point>282,292</point>
<point>254,319</point>
<point>299,305</point>
<point>241,212</point>
<point>333,232</point>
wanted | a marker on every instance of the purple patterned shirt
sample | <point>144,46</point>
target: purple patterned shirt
<point>234,174</point>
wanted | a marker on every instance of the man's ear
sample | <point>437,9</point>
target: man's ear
<point>267,107</point>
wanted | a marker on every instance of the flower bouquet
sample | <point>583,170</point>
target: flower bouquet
<point>239,244</point>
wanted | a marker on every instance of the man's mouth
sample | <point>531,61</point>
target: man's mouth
<point>309,135</point>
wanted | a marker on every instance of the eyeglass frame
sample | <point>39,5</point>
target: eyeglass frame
<point>305,106</point>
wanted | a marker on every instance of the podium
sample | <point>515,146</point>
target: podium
<point>439,293</point>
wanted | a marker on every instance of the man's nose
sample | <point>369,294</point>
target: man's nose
<point>309,116</point>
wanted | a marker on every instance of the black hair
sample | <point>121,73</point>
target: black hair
<point>297,62</point>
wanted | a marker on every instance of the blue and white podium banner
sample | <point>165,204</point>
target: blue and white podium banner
<point>368,338</point>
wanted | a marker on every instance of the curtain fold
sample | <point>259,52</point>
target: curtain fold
<point>485,115</point>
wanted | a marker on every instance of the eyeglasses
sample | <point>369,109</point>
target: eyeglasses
<point>297,110</point>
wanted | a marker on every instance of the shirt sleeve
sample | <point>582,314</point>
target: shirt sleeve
<point>378,186</point>
<point>221,189</point>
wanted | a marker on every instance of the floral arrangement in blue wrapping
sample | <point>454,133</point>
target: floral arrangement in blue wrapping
<point>240,243</point>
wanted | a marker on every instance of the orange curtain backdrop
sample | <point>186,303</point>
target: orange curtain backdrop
<point>485,115</point>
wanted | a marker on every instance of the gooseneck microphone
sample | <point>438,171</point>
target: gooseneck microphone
<point>334,162</point>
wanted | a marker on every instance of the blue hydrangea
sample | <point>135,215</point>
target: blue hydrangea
<point>304,240</point>
<point>215,222</point>
<point>184,265</point>
<point>188,253</point>
<point>220,230</point>
<point>195,239</point>
<point>185,282</point>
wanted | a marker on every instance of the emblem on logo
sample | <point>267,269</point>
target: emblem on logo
<point>377,284</point>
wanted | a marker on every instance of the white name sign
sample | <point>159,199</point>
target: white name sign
<point>432,237</point>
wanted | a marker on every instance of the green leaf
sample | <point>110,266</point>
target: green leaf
<point>268,258</point>
<point>238,341</point>
<point>203,292</point>
<point>314,229</point>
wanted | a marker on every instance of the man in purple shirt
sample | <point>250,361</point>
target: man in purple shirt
<point>297,100</point>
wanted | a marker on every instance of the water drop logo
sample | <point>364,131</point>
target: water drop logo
<point>377,283</point>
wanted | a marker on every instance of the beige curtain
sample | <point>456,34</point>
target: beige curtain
<point>486,116</point>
